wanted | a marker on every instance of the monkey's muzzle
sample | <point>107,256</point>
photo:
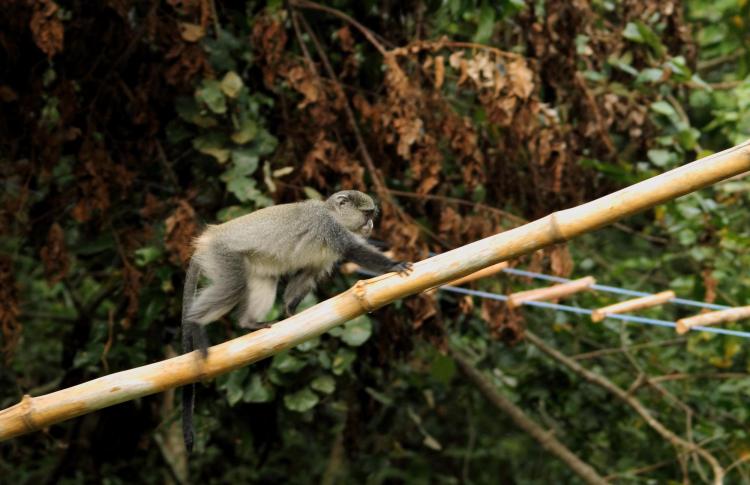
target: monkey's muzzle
<point>366,228</point>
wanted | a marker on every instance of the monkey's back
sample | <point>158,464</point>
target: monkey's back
<point>276,240</point>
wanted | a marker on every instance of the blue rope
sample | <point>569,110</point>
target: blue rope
<point>586,311</point>
<point>613,289</point>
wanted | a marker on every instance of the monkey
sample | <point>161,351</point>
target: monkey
<point>245,258</point>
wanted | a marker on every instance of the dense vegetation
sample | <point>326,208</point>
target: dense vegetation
<point>127,125</point>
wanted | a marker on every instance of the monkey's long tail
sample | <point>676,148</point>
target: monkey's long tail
<point>188,345</point>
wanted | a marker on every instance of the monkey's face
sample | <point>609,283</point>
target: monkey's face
<point>354,210</point>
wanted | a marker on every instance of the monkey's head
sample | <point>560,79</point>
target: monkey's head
<point>355,210</point>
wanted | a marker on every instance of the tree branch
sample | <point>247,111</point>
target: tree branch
<point>545,438</point>
<point>631,401</point>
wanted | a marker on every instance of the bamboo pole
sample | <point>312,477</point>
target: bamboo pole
<point>632,305</point>
<point>39,412</point>
<point>515,300</point>
<point>348,268</point>
<point>712,318</point>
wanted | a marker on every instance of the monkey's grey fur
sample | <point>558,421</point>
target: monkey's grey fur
<point>244,259</point>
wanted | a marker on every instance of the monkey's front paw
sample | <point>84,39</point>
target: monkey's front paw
<point>403,268</point>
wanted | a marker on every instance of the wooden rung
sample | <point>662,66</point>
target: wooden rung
<point>564,289</point>
<point>712,318</point>
<point>631,305</point>
<point>482,273</point>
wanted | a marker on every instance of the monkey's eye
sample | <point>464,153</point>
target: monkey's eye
<point>368,213</point>
<point>343,201</point>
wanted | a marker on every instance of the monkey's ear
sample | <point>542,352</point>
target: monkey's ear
<point>342,199</point>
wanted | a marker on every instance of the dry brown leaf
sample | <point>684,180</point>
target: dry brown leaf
<point>55,255</point>
<point>306,83</point>
<point>7,95</point>
<point>47,28</point>
<point>191,32</point>
<point>710,283</point>
<point>345,36</point>
<point>131,288</point>
<point>409,131</point>
<point>561,262</point>
<point>466,304</point>
<point>9,308</point>
<point>439,71</point>
<point>422,308</point>
<point>521,78</point>
<point>181,229</point>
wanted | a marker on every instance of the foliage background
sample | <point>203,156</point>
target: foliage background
<point>127,125</point>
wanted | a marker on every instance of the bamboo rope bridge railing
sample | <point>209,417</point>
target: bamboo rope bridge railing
<point>34,413</point>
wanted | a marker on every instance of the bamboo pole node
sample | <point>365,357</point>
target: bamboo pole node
<point>712,318</point>
<point>631,305</point>
<point>359,290</point>
<point>550,292</point>
<point>27,408</point>
<point>556,230</point>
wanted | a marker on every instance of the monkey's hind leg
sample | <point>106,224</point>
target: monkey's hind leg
<point>224,292</point>
<point>260,294</point>
<point>296,289</point>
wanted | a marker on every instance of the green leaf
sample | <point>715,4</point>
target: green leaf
<point>632,32</point>
<point>379,396</point>
<point>324,359</point>
<point>308,345</point>
<point>246,190</point>
<point>357,331</point>
<point>311,193</point>
<point>301,401</point>
<point>223,50</point>
<point>210,94</point>
<point>257,391</point>
<point>661,158</point>
<point>324,384</point>
<point>213,144</point>
<point>187,109</point>
<point>266,143</point>
<point>146,255</point>
<point>623,64</point>
<point>664,108</point>
<point>679,67</point>
<point>443,369</point>
<point>639,32</point>
<point>688,138</point>
<point>232,212</point>
<point>177,132</point>
<point>287,363</point>
<point>687,237</point>
<point>245,161</point>
<point>234,385</point>
<point>342,361</point>
<point>649,75</point>
<point>231,84</point>
<point>486,24</point>
<point>247,131</point>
